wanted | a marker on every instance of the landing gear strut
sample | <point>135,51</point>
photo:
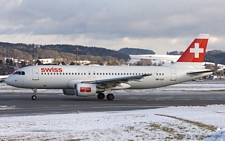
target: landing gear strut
<point>110,96</point>
<point>34,97</point>
<point>101,95</point>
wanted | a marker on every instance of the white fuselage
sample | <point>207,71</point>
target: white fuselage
<point>35,77</point>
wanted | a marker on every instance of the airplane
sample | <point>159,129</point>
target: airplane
<point>3,77</point>
<point>166,59</point>
<point>87,81</point>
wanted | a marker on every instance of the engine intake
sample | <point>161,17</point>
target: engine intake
<point>82,90</point>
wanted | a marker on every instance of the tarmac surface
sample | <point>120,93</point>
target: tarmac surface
<point>20,104</point>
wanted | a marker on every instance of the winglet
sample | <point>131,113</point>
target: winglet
<point>196,51</point>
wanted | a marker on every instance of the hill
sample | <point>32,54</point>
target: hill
<point>30,51</point>
<point>136,51</point>
<point>216,56</point>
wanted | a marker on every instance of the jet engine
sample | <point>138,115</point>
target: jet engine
<point>81,89</point>
<point>68,92</point>
<point>84,90</point>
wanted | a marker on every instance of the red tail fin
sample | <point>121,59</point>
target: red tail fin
<point>196,51</point>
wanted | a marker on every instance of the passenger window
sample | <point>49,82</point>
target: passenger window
<point>23,73</point>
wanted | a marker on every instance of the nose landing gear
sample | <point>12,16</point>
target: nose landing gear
<point>34,97</point>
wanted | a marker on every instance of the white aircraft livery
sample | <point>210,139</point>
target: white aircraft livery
<point>91,80</point>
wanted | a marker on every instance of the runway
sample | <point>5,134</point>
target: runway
<point>20,104</point>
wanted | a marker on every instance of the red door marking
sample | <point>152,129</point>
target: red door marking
<point>85,89</point>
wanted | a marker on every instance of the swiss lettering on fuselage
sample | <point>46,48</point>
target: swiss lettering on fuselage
<point>51,69</point>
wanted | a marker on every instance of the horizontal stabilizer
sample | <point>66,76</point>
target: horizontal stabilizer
<point>200,71</point>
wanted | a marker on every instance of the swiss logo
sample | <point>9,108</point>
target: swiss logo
<point>196,50</point>
<point>51,69</point>
<point>85,89</point>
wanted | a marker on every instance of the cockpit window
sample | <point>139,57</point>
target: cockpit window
<point>19,73</point>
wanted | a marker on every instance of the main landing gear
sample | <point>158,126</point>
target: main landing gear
<point>109,96</point>
<point>34,97</point>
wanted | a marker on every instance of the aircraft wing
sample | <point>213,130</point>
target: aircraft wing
<point>200,71</point>
<point>116,81</point>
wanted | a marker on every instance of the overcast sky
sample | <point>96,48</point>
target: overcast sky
<point>159,25</point>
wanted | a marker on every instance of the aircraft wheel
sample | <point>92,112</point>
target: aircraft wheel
<point>33,97</point>
<point>101,95</point>
<point>110,97</point>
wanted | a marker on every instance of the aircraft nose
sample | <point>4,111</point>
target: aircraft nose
<point>8,80</point>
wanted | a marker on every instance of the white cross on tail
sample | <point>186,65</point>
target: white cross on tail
<point>196,50</point>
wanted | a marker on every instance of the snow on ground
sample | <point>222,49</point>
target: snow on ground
<point>172,123</point>
<point>5,107</point>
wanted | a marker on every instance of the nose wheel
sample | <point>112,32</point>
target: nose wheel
<point>34,97</point>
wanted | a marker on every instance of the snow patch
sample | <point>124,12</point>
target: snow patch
<point>172,123</point>
<point>5,107</point>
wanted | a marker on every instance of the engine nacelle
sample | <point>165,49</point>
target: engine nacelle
<point>68,92</point>
<point>84,90</point>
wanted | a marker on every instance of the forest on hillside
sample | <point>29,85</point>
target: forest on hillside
<point>136,51</point>
<point>67,52</point>
<point>96,54</point>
